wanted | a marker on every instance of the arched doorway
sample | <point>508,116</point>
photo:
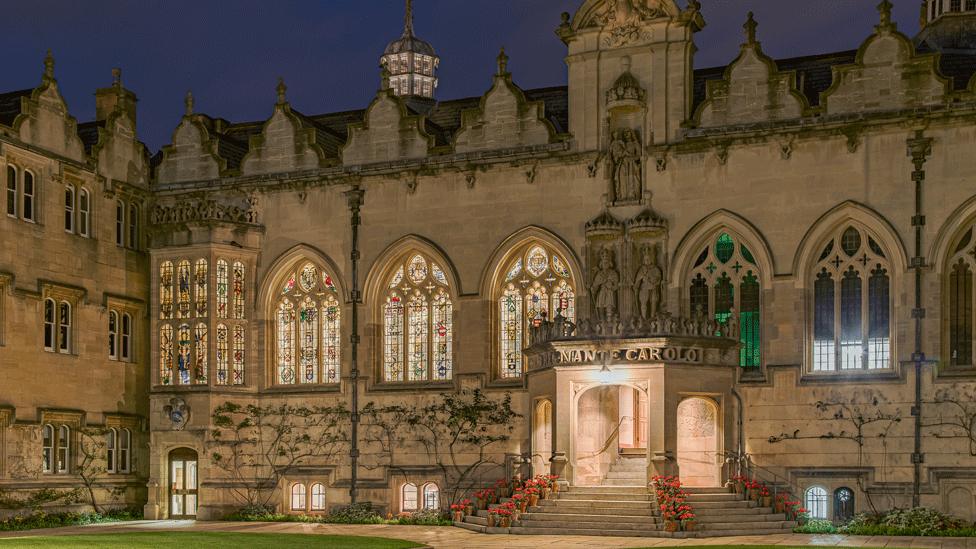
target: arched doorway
<point>183,484</point>
<point>542,437</point>
<point>843,505</point>
<point>697,432</point>
<point>611,436</point>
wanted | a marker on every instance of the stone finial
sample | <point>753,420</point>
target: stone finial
<point>884,9</point>
<point>281,88</point>
<point>502,62</point>
<point>49,66</point>
<point>750,27</point>
<point>408,19</point>
<point>116,77</point>
<point>384,76</point>
<point>188,101</point>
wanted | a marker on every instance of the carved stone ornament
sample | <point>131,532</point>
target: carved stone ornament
<point>188,211</point>
<point>621,20</point>
<point>177,412</point>
<point>626,175</point>
<point>606,282</point>
<point>647,284</point>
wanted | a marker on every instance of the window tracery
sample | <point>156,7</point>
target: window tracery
<point>307,328</point>
<point>961,265</point>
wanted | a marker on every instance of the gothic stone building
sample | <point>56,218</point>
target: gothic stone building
<point>774,258</point>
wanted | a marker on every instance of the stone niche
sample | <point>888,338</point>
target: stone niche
<point>626,119</point>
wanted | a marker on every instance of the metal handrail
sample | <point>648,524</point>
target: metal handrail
<point>753,471</point>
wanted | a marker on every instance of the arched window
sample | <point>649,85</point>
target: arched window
<point>723,281</point>
<point>111,449</point>
<point>165,354</point>
<point>47,445</point>
<point>222,288</point>
<point>432,496</point>
<point>843,505</point>
<point>125,451</point>
<point>84,212</point>
<point>238,290</point>
<point>851,304</point>
<point>815,500</point>
<point>298,497</point>
<point>166,290</point>
<point>133,226</point>
<point>183,354</point>
<point>64,327</point>
<point>200,346</point>
<point>69,209</point>
<point>537,284</point>
<point>125,350</point>
<point>49,324</point>
<point>28,197</point>
<point>64,448</point>
<point>318,497</point>
<point>200,292</point>
<point>11,191</point>
<point>183,289</point>
<point>418,323</point>
<point>119,223</point>
<point>960,268</point>
<point>307,327</point>
<point>408,497</point>
<point>113,335</point>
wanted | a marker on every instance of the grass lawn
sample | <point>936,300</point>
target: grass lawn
<point>187,540</point>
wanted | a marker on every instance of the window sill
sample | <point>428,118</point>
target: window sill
<point>887,374</point>
<point>388,386</point>
<point>507,383</point>
<point>305,388</point>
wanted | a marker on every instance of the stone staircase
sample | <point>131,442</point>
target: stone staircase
<point>623,506</point>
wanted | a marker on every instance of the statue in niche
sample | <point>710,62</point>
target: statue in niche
<point>647,284</point>
<point>606,281</point>
<point>625,161</point>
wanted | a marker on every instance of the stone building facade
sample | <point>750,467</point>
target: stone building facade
<point>771,260</point>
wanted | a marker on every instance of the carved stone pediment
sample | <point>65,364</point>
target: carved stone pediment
<point>204,210</point>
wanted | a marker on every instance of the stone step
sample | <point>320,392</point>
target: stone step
<point>539,531</point>
<point>740,504</point>
<point>589,525</point>
<point>646,518</point>
<point>624,481</point>
<point>477,519</point>
<point>470,526</point>
<point>740,519</point>
<point>595,509</point>
<point>625,496</point>
<point>727,511</point>
<point>742,532</point>
<point>702,490</point>
<point>641,490</point>
<point>722,497</point>
<point>628,466</point>
<point>636,475</point>
<point>749,525</point>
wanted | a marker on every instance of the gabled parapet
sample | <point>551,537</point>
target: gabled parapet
<point>192,156</point>
<point>504,118</point>
<point>44,119</point>
<point>284,144</point>
<point>388,132</point>
<point>887,74</point>
<point>752,90</point>
<point>118,153</point>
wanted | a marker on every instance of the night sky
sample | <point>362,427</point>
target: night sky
<point>231,52</point>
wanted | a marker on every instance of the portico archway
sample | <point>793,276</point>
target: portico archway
<point>698,442</point>
<point>542,436</point>
<point>611,424</point>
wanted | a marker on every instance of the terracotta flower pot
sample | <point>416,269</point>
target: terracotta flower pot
<point>491,520</point>
<point>523,505</point>
<point>767,501</point>
<point>458,516</point>
<point>555,487</point>
<point>780,507</point>
<point>506,522</point>
<point>670,526</point>
<point>469,510</point>
<point>689,525</point>
<point>533,500</point>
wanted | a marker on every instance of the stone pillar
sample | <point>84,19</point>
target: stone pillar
<point>661,440</point>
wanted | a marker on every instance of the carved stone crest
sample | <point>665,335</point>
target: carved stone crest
<point>177,412</point>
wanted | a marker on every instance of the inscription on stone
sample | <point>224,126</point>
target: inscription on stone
<point>689,355</point>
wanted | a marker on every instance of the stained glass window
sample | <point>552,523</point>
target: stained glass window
<point>222,288</point>
<point>165,354</point>
<point>222,355</point>
<point>538,285</point>
<point>200,277</point>
<point>239,355</point>
<point>183,289</point>
<point>851,304</point>
<point>166,290</point>
<point>308,327</point>
<point>960,269</point>
<point>418,323</point>
<point>724,281</point>
<point>183,354</point>
<point>238,290</point>
<point>200,365</point>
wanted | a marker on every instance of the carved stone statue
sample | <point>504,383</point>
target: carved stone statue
<point>647,284</point>
<point>606,282</point>
<point>625,161</point>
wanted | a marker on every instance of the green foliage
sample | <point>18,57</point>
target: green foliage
<point>357,513</point>
<point>919,521</point>
<point>34,500</point>
<point>425,517</point>
<point>40,519</point>
<point>816,526</point>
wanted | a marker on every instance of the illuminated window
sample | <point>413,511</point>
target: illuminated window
<point>815,500</point>
<point>308,327</point>
<point>318,497</point>
<point>298,497</point>
<point>960,269</point>
<point>408,497</point>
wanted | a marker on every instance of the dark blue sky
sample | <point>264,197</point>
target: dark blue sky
<point>230,52</point>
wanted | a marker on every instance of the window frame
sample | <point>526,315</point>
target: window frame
<point>125,341</point>
<point>409,488</point>
<point>299,491</point>
<point>120,223</point>
<point>84,208</point>
<point>65,324</point>
<point>298,295</point>
<point>431,489</point>
<point>111,449</point>
<point>63,450</point>
<point>317,492</point>
<point>960,254</point>
<point>12,191</point>
<point>28,200</point>
<point>113,334</point>
<point>48,444</point>
<point>822,499</point>
<point>69,208</point>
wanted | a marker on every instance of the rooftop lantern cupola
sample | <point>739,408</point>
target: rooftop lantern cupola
<point>411,62</point>
<point>948,26</point>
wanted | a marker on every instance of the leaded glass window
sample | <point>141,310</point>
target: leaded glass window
<point>183,354</point>
<point>165,354</point>
<point>200,292</point>
<point>166,290</point>
<point>222,355</point>
<point>307,327</point>
<point>238,355</point>
<point>238,290</point>
<point>724,281</point>
<point>960,268</point>
<point>851,304</point>
<point>183,289</point>
<point>200,347</point>
<point>815,500</point>
<point>113,335</point>
<point>418,323</point>
<point>11,191</point>
<point>538,286</point>
<point>222,288</point>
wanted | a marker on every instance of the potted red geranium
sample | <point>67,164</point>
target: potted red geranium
<point>765,496</point>
<point>457,512</point>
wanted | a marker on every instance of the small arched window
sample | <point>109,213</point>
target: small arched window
<point>724,281</point>
<point>64,327</point>
<point>815,500</point>
<point>843,505</point>
<point>537,284</point>
<point>960,268</point>
<point>64,449</point>
<point>84,212</point>
<point>69,209</point>
<point>125,347</point>
<point>298,497</point>
<point>11,191</point>
<point>49,324</point>
<point>408,497</point>
<point>307,317</point>
<point>418,323</point>
<point>318,497</point>
<point>432,499</point>
<point>113,335</point>
<point>125,451</point>
<point>28,196</point>
<point>119,223</point>
<point>111,450</point>
<point>851,304</point>
<point>47,452</point>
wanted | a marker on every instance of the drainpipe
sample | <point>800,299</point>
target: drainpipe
<point>740,431</point>
<point>919,148</point>
<point>355,200</point>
